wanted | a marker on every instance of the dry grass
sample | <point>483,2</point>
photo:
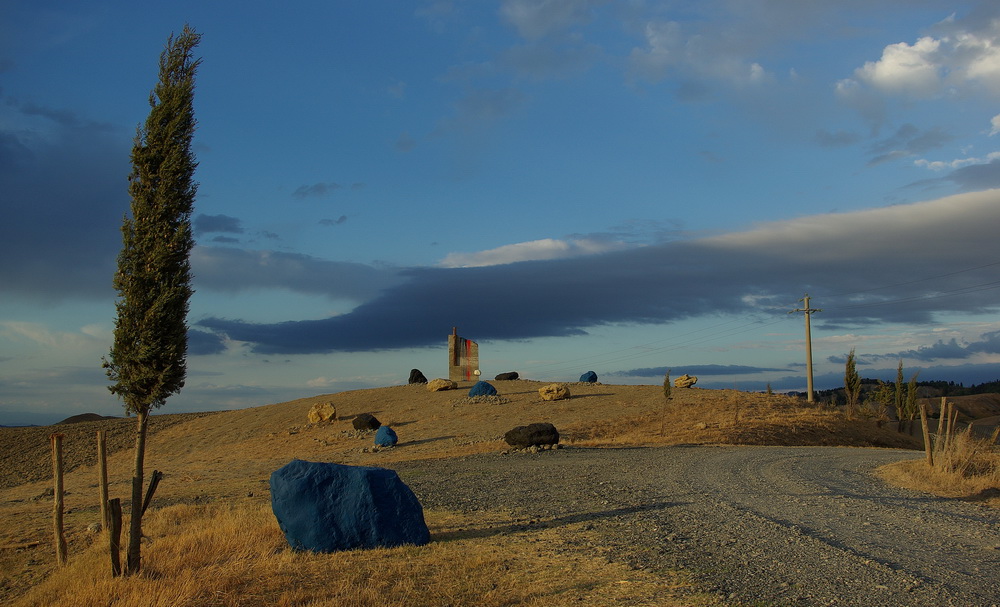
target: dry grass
<point>966,466</point>
<point>735,418</point>
<point>235,555</point>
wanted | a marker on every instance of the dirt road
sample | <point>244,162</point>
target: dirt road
<point>758,525</point>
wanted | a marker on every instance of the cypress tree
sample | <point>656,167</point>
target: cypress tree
<point>852,385</point>
<point>148,360</point>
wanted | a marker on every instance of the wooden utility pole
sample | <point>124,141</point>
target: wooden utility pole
<point>809,354</point>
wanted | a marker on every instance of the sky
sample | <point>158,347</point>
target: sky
<point>626,187</point>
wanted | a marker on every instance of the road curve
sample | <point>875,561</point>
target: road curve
<point>772,525</point>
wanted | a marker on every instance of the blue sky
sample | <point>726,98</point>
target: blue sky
<point>577,185</point>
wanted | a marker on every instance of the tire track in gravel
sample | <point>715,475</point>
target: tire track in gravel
<point>778,525</point>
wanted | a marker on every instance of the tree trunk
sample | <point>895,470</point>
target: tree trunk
<point>133,562</point>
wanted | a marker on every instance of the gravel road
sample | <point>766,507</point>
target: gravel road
<point>757,525</point>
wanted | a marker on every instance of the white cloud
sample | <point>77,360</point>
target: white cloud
<point>547,248</point>
<point>957,62</point>
<point>995,123</point>
<point>940,165</point>
<point>905,69</point>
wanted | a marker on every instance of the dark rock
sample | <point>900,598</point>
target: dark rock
<point>326,507</point>
<point>366,421</point>
<point>386,437</point>
<point>532,434</point>
<point>589,377</point>
<point>482,388</point>
<point>416,377</point>
<point>507,376</point>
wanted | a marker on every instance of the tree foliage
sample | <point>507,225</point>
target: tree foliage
<point>148,359</point>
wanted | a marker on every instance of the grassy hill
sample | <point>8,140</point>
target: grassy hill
<point>216,468</point>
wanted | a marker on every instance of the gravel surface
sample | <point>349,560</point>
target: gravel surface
<point>757,525</point>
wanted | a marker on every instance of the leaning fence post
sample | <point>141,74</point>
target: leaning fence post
<point>57,506</point>
<point>102,473</point>
<point>928,448</point>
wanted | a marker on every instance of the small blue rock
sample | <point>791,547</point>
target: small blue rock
<point>386,437</point>
<point>589,377</point>
<point>482,388</point>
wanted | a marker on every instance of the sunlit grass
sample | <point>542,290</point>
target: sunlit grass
<point>235,555</point>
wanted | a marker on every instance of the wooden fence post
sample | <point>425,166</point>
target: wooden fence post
<point>102,473</point>
<point>115,535</point>
<point>928,448</point>
<point>57,507</point>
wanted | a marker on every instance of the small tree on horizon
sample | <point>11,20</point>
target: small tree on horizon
<point>852,385</point>
<point>148,360</point>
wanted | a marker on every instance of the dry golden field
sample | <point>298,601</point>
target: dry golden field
<point>213,541</point>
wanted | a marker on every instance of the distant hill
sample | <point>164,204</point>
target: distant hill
<point>86,417</point>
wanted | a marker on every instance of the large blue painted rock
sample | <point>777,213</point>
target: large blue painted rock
<point>328,507</point>
<point>482,388</point>
<point>589,377</point>
<point>386,437</point>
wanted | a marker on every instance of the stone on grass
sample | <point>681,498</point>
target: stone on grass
<point>326,507</point>
<point>589,377</point>
<point>439,384</point>
<point>507,376</point>
<point>322,412</point>
<point>366,421</point>
<point>416,377</point>
<point>685,381</point>
<point>538,434</point>
<point>482,388</point>
<point>553,392</point>
<point>386,437</point>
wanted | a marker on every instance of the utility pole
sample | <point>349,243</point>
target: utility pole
<point>809,349</point>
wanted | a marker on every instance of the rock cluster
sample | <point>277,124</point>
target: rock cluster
<point>322,413</point>
<point>440,384</point>
<point>553,392</point>
<point>685,381</point>
<point>366,421</point>
<point>532,435</point>
<point>482,388</point>
<point>386,437</point>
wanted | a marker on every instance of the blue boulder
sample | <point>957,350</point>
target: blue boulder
<point>482,388</point>
<point>589,377</point>
<point>386,437</point>
<point>328,507</point>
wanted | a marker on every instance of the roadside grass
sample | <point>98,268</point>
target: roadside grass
<point>737,418</point>
<point>235,554</point>
<point>966,467</point>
